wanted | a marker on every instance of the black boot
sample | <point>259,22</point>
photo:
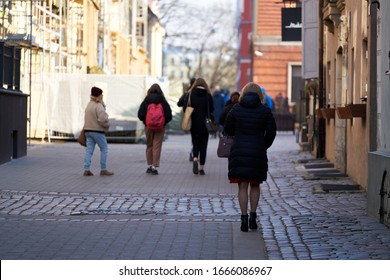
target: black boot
<point>252,221</point>
<point>244,222</point>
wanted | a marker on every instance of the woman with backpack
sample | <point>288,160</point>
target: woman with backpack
<point>155,113</point>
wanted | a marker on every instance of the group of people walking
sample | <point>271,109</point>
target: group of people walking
<point>245,116</point>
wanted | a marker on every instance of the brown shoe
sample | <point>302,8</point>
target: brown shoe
<point>87,173</point>
<point>106,173</point>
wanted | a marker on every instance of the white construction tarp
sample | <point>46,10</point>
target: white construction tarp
<point>65,97</point>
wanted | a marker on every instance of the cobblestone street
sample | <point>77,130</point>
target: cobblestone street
<point>48,210</point>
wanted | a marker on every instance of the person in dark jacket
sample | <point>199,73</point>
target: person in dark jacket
<point>181,103</point>
<point>254,130</point>
<point>154,138</point>
<point>202,102</point>
<point>234,98</point>
<point>219,103</point>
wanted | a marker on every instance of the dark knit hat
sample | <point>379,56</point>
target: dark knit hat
<point>95,91</point>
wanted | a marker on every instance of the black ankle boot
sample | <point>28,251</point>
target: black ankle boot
<point>252,221</point>
<point>244,222</point>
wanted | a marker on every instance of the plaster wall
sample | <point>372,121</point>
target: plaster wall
<point>378,200</point>
<point>345,65</point>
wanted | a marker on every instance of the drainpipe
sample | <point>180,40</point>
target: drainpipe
<point>372,97</point>
<point>382,194</point>
<point>321,122</point>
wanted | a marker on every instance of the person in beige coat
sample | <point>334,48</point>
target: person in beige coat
<point>96,124</point>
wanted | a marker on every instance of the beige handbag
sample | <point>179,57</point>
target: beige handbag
<point>186,122</point>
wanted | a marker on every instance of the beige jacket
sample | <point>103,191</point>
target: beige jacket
<point>96,118</point>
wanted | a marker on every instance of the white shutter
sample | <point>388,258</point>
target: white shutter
<point>310,39</point>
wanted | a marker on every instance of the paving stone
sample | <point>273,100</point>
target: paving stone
<point>175,215</point>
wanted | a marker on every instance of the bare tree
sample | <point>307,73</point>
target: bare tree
<point>206,37</point>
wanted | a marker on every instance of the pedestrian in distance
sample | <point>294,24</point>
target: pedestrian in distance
<point>234,98</point>
<point>253,127</point>
<point>267,100</point>
<point>281,103</point>
<point>219,104</point>
<point>202,102</point>
<point>155,113</point>
<point>96,124</point>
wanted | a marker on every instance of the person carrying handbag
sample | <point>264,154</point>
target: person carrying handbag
<point>181,103</point>
<point>254,129</point>
<point>202,102</point>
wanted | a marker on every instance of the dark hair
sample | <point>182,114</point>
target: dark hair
<point>199,82</point>
<point>155,89</point>
<point>235,97</point>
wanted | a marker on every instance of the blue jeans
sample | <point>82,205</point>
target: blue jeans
<point>94,138</point>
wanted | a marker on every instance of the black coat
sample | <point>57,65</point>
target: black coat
<point>154,98</point>
<point>254,130</point>
<point>203,105</point>
<point>225,112</point>
<point>182,100</point>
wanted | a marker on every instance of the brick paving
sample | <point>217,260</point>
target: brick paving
<point>48,210</point>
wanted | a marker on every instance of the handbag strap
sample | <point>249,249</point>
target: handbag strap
<point>189,99</point>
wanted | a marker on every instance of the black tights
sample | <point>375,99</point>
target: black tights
<point>199,142</point>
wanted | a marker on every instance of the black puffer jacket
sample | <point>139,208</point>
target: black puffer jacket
<point>199,99</point>
<point>254,130</point>
<point>154,98</point>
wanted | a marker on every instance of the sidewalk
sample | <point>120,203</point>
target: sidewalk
<point>48,210</point>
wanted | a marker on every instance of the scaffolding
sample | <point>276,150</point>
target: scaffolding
<point>50,34</point>
<point>71,37</point>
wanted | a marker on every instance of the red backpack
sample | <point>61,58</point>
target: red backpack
<point>155,118</point>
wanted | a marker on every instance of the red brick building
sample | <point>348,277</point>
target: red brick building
<point>276,64</point>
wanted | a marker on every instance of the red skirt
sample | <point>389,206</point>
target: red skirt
<point>240,180</point>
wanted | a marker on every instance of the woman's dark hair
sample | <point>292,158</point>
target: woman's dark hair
<point>235,97</point>
<point>199,82</point>
<point>155,89</point>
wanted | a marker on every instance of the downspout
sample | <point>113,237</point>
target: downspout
<point>30,77</point>
<point>321,122</point>
<point>253,16</point>
<point>251,53</point>
<point>372,97</point>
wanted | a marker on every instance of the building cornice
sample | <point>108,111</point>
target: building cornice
<point>331,15</point>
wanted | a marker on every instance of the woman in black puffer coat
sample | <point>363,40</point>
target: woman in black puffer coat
<point>202,102</point>
<point>254,130</point>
